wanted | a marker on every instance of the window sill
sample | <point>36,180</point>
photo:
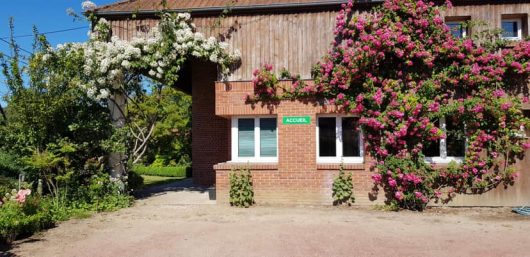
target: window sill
<point>447,160</point>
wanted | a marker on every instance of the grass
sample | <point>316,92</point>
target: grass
<point>150,181</point>
<point>179,171</point>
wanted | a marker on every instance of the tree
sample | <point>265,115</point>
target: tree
<point>161,127</point>
<point>113,72</point>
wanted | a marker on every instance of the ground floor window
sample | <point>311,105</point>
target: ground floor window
<point>254,139</point>
<point>339,139</point>
<point>452,148</point>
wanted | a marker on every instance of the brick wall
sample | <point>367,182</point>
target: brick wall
<point>275,185</point>
<point>297,178</point>
<point>210,133</point>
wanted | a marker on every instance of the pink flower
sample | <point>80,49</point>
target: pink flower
<point>399,195</point>
<point>498,93</point>
<point>377,178</point>
<point>21,195</point>
<point>392,182</point>
<point>506,106</point>
<point>475,69</point>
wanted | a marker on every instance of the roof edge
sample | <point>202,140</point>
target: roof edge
<point>281,7</point>
<point>247,8</point>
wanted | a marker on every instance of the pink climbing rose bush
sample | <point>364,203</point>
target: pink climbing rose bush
<point>401,70</point>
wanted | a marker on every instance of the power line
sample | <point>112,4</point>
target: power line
<point>49,32</point>
<point>7,42</point>
<point>11,57</point>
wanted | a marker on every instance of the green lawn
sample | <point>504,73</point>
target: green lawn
<point>150,181</point>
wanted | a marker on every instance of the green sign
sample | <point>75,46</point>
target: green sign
<point>296,120</point>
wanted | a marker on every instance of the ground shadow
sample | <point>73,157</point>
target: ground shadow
<point>5,249</point>
<point>181,185</point>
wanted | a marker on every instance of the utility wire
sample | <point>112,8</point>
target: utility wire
<point>11,57</point>
<point>20,48</point>
<point>48,32</point>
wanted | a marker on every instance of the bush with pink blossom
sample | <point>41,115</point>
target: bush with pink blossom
<point>401,70</point>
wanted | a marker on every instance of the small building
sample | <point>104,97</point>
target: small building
<point>294,149</point>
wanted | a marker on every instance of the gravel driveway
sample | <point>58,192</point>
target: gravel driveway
<point>172,221</point>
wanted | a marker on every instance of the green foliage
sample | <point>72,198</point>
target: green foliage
<point>178,171</point>
<point>342,189</point>
<point>170,112</point>
<point>22,220</point>
<point>241,189</point>
<point>10,164</point>
<point>134,180</point>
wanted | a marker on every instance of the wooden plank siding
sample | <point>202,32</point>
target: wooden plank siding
<point>293,40</point>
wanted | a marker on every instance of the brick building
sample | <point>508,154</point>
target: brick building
<point>293,148</point>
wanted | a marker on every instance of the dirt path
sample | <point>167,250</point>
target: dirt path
<point>167,225</point>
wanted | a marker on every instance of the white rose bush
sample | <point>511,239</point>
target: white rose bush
<point>110,64</point>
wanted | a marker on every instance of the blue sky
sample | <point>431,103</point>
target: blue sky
<point>47,15</point>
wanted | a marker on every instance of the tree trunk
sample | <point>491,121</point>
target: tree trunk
<point>3,113</point>
<point>118,161</point>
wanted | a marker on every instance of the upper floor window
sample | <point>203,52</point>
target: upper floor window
<point>452,147</point>
<point>457,28</point>
<point>458,25</point>
<point>339,140</point>
<point>254,139</point>
<point>512,29</point>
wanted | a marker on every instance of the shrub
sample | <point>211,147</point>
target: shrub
<point>241,189</point>
<point>343,188</point>
<point>178,171</point>
<point>134,180</point>
<point>22,219</point>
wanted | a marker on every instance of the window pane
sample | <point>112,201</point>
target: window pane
<point>456,29</point>
<point>246,137</point>
<point>326,137</point>
<point>432,149</point>
<point>350,138</point>
<point>268,137</point>
<point>456,140</point>
<point>510,29</point>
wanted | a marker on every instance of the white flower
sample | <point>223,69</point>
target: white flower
<point>104,93</point>
<point>88,5</point>
<point>45,57</point>
<point>152,73</point>
<point>126,64</point>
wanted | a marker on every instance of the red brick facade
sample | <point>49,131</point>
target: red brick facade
<point>210,137</point>
<point>297,177</point>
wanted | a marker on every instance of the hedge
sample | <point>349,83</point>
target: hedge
<point>178,171</point>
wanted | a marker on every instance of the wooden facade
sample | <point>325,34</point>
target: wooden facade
<point>297,40</point>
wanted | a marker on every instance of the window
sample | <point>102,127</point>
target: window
<point>254,139</point>
<point>512,29</point>
<point>339,140</point>
<point>457,28</point>
<point>452,148</point>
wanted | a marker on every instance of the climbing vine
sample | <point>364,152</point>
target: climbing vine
<point>109,62</point>
<point>401,71</point>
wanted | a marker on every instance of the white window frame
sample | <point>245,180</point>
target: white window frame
<point>464,31</point>
<point>519,22</point>
<point>257,141</point>
<point>443,158</point>
<point>338,144</point>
